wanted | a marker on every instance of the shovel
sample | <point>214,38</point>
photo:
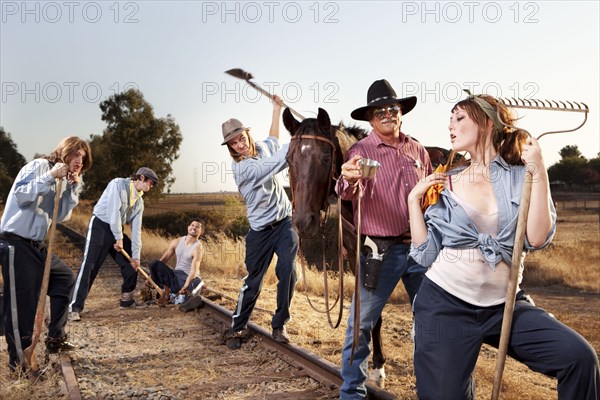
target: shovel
<point>164,293</point>
<point>28,353</point>
<point>241,74</point>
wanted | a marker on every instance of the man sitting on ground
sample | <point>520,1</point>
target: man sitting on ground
<point>188,250</point>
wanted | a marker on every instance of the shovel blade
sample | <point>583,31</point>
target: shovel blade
<point>240,74</point>
<point>163,300</point>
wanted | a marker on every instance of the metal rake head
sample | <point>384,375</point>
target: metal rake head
<point>547,105</point>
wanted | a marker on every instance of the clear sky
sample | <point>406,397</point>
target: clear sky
<point>59,60</point>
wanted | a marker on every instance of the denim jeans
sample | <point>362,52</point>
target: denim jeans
<point>449,334</point>
<point>281,240</point>
<point>395,266</point>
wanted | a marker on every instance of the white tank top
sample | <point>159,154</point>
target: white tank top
<point>464,273</point>
<point>184,255</point>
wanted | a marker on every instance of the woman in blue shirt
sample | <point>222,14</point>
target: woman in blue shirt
<point>466,240</point>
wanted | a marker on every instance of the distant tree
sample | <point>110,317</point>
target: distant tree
<point>11,162</point>
<point>133,138</point>
<point>570,151</point>
<point>574,168</point>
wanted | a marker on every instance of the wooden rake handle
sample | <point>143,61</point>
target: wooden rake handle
<point>513,280</point>
<point>28,353</point>
<point>141,270</point>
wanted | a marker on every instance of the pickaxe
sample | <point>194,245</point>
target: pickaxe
<point>241,74</point>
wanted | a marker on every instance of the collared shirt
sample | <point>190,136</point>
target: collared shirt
<point>449,226</point>
<point>257,181</point>
<point>384,210</point>
<point>121,204</point>
<point>30,203</point>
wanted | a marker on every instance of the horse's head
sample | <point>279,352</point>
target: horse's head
<point>311,159</point>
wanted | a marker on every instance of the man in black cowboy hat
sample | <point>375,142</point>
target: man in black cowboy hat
<point>384,219</point>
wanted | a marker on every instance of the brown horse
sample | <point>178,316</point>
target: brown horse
<point>315,157</point>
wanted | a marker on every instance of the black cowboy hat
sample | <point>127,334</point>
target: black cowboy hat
<point>380,94</point>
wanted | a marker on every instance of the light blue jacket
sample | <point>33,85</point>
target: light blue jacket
<point>448,225</point>
<point>256,179</point>
<point>30,203</point>
<point>114,209</point>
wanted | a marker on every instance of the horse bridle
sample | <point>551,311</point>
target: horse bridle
<point>325,205</point>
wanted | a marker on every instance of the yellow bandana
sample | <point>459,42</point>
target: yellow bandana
<point>433,193</point>
<point>132,194</point>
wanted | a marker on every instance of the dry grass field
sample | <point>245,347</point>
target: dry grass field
<point>564,279</point>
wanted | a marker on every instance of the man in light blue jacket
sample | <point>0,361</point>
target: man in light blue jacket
<point>255,168</point>
<point>121,203</point>
<point>23,228</point>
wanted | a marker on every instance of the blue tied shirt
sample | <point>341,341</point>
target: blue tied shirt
<point>448,225</point>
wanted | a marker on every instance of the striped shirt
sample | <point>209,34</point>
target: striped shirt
<point>384,210</point>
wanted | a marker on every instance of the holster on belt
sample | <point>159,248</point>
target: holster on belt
<point>372,266</point>
<point>375,249</point>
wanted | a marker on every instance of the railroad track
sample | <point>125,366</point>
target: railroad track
<point>262,362</point>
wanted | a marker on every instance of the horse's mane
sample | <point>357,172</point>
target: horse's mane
<point>347,136</point>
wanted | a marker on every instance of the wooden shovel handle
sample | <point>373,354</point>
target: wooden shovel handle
<point>28,353</point>
<point>141,270</point>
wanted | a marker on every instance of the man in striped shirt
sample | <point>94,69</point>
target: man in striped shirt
<point>383,215</point>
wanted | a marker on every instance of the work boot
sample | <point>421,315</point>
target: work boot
<point>193,303</point>
<point>234,339</point>
<point>280,335</point>
<point>54,345</point>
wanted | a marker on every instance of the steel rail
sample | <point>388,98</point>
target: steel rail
<point>316,367</point>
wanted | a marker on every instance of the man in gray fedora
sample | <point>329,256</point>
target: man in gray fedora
<point>255,167</point>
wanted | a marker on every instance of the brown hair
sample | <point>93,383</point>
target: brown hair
<point>237,157</point>
<point>67,147</point>
<point>507,142</point>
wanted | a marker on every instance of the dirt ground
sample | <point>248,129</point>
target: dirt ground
<point>161,353</point>
<point>164,354</point>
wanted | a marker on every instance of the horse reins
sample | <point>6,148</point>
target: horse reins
<point>331,172</point>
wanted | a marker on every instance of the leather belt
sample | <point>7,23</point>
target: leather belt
<point>13,236</point>
<point>274,224</point>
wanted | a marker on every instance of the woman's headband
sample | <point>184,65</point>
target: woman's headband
<point>487,108</point>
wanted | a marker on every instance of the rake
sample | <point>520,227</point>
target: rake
<point>511,291</point>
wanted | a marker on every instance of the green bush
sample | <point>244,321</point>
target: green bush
<point>174,223</point>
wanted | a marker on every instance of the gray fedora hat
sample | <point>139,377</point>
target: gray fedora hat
<point>231,128</point>
<point>380,94</point>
